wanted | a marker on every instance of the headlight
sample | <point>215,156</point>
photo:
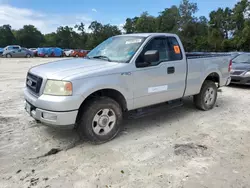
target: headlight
<point>247,73</point>
<point>58,88</point>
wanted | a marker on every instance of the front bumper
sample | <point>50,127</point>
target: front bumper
<point>52,110</point>
<point>240,80</point>
<point>51,118</point>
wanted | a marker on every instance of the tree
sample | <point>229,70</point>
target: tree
<point>201,35</point>
<point>240,13</point>
<point>241,19</point>
<point>83,36</point>
<point>66,37</point>
<point>50,40</point>
<point>145,23</point>
<point>168,20</point>
<point>221,20</point>
<point>187,24</point>
<point>130,25</point>
<point>100,32</point>
<point>6,36</point>
<point>187,11</point>
<point>29,36</point>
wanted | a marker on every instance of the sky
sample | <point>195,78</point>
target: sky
<point>47,15</point>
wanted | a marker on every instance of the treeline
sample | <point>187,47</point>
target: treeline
<point>225,30</point>
<point>65,37</point>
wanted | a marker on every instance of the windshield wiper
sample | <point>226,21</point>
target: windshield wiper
<point>101,57</point>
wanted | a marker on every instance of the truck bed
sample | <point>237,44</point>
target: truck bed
<point>201,65</point>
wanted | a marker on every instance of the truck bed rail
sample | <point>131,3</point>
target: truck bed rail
<point>194,55</point>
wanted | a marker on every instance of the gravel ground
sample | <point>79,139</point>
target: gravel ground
<point>182,147</point>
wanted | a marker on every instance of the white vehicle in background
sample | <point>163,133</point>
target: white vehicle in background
<point>34,50</point>
<point>68,52</point>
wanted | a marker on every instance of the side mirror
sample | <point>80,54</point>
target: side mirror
<point>151,56</point>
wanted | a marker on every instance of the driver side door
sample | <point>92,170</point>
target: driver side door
<point>158,82</point>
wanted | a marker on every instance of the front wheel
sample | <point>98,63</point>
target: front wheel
<point>28,55</point>
<point>100,120</point>
<point>207,97</point>
<point>8,55</point>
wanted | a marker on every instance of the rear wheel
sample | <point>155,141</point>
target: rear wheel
<point>46,55</point>
<point>28,55</point>
<point>207,97</point>
<point>76,55</point>
<point>8,55</point>
<point>100,120</point>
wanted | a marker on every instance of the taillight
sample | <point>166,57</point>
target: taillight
<point>230,66</point>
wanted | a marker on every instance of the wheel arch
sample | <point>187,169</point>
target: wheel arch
<point>107,92</point>
<point>212,76</point>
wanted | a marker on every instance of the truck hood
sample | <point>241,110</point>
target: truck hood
<point>74,68</point>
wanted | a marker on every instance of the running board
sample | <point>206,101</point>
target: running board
<point>142,112</point>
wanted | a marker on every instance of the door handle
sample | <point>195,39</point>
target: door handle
<point>171,70</point>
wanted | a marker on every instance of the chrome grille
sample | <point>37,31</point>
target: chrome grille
<point>34,83</point>
<point>236,72</point>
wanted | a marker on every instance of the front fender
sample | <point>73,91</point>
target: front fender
<point>122,84</point>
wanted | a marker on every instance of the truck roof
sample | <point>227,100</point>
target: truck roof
<point>147,34</point>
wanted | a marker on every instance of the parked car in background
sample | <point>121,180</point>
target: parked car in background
<point>34,50</point>
<point>1,51</point>
<point>18,53</point>
<point>240,73</point>
<point>50,52</point>
<point>67,52</point>
<point>235,54</point>
<point>12,47</point>
<point>80,53</point>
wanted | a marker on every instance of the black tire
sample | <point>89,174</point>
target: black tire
<point>200,100</point>
<point>85,124</point>
<point>8,56</point>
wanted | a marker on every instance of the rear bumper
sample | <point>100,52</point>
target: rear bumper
<point>240,80</point>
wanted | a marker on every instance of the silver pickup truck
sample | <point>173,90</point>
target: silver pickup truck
<point>124,73</point>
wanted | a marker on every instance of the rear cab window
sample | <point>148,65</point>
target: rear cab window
<point>175,52</point>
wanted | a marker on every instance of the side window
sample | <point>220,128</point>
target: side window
<point>168,48</point>
<point>174,49</point>
<point>159,44</point>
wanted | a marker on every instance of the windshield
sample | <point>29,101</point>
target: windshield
<point>119,48</point>
<point>243,58</point>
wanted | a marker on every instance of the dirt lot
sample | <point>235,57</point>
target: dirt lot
<point>183,147</point>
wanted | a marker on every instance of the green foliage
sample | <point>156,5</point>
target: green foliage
<point>145,23</point>
<point>226,30</point>
<point>29,36</point>
<point>168,20</point>
<point>6,36</point>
